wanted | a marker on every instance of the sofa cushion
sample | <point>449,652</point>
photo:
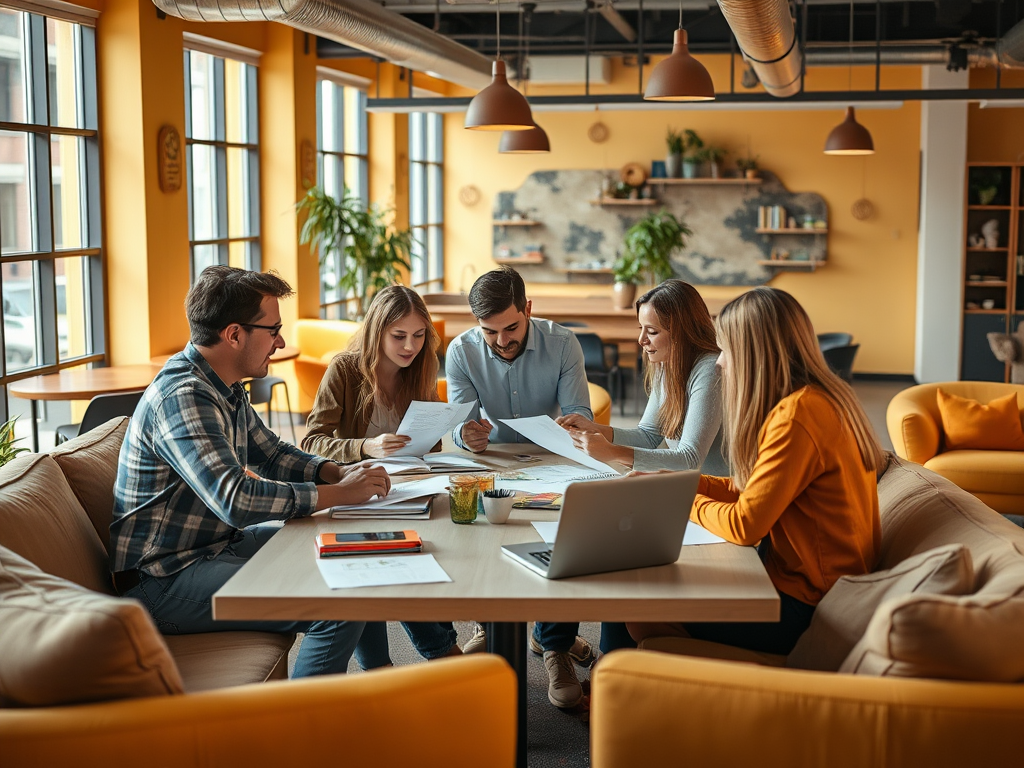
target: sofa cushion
<point>89,462</point>
<point>43,521</point>
<point>968,424</point>
<point>224,659</point>
<point>982,471</point>
<point>61,644</point>
<point>843,614</point>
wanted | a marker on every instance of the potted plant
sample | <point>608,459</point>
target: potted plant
<point>647,254</point>
<point>8,451</point>
<point>372,247</point>
<point>714,155</point>
<point>692,154</point>
<point>674,158</point>
<point>747,166</point>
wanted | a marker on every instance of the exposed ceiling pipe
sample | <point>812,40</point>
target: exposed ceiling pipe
<point>618,23</point>
<point>360,24</point>
<point>1008,52</point>
<point>765,32</point>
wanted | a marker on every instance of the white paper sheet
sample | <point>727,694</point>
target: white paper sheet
<point>428,486</point>
<point>543,431</point>
<point>377,571</point>
<point>554,478</point>
<point>694,534</point>
<point>426,423</point>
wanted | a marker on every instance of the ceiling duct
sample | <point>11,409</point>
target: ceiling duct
<point>1008,52</point>
<point>766,34</point>
<point>360,24</point>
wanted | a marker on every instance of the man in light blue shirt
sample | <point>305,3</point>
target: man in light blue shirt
<point>517,367</point>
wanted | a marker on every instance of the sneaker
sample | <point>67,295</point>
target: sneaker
<point>564,689</point>
<point>478,642</point>
<point>582,652</point>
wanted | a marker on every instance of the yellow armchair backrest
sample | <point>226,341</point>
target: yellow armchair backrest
<point>317,337</point>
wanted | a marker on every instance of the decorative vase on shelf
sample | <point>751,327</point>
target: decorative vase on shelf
<point>623,295</point>
<point>674,165</point>
<point>690,168</point>
<point>750,173</point>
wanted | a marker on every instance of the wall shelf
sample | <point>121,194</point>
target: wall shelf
<point>984,311</point>
<point>587,271</point>
<point>987,250</point>
<point>986,283</point>
<point>792,231</point>
<point>515,223</point>
<point>705,181</point>
<point>811,264</point>
<point>513,260</point>
<point>618,201</point>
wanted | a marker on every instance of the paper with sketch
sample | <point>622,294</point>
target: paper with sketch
<point>426,487</point>
<point>553,478</point>
<point>350,572</point>
<point>426,423</point>
<point>543,431</point>
<point>694,534</point>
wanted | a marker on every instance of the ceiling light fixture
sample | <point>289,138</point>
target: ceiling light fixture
<point>680,77</point>
<point>850,137</point>
<point>499,106</point>
<point>533,141</point>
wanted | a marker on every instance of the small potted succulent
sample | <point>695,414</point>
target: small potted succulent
<point>674,140</point>
<point>693,155</point>
<point>714,156</point>
<point>747,166</point>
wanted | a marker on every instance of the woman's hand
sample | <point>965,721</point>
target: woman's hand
<point>574,421</point>
<point>599,447</point>
<point>384,445</point>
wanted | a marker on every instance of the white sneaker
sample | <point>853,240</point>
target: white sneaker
<point>478,642</point>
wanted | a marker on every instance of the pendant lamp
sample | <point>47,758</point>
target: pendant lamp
<point>680,77</point>
<point>533,141</point>
<point>499,106</point>
<point>849,138</point>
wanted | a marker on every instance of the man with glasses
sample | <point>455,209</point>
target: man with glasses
<point>199,472</point>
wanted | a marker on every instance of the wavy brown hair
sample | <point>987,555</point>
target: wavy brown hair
<point>419,380</point>
<point>684,315</point>
<point>773,352</point>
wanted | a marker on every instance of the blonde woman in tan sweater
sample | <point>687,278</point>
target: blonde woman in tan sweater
<point>804,460</point>
<point>358,408</point>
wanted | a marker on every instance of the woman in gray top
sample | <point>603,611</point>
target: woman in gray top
<point>677,337</point>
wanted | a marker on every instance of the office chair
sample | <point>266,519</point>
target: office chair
<point>830,340</point>
<point>101,408</point>
<point>262,391</point>
<point>840,360</point>
<point>602,361</point>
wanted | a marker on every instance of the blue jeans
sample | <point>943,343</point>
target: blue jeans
<point>180,605</point>
<point>555,637</point>
<point>431,639</point>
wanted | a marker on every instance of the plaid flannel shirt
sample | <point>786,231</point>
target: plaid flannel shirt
<point>182,491</point>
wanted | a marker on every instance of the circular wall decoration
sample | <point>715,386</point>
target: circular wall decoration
<point>469,195</point>
<point>633,174</point>
<point>598,133</point>
<point>862,209</point>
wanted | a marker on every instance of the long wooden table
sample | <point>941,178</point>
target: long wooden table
<point>719,582</point>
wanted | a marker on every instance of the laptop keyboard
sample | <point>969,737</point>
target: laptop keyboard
<point>544,557</point>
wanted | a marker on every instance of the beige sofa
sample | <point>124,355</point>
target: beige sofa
<point>86,679</point>
<point>917,664</point>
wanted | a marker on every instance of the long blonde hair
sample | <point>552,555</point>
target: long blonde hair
<point>773,352</point>
<point>685,317</point>
<point>419,380</point>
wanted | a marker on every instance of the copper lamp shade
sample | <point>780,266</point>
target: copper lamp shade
<point>849,138</point>
<point>532,142</point>
<point>680,77</point>
<point>499,106</point>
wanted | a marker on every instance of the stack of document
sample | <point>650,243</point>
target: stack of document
<point>408,501</point>
<point>431,462</point>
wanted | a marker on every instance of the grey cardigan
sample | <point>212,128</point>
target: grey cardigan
<point>700,444</point>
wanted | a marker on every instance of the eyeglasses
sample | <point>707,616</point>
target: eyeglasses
<point>274,329</point>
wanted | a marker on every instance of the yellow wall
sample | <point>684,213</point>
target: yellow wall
<point>868,286</point>
<point>995,135</point>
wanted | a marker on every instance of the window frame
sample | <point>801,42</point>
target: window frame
<point>426,163</point>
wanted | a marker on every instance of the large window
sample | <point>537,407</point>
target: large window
<point>51,263</point>
<point>222,143</point>
<point>343,163</point>
<point>426,195</point>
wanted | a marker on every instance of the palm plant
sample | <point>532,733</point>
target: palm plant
<point>8,451</point>
<point>649,245</point>
<point>372,247</point>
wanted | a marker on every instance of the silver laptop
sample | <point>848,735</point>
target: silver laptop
<point>614,525</point>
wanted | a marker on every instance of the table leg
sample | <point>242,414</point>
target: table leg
<point>508,640</point>
<point>34,416</point>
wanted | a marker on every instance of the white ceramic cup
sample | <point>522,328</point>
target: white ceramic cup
<point>988,303</point>
<point>497,510</point>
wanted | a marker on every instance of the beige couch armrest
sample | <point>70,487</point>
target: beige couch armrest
<point>453,713</point>
<point>653,709</point>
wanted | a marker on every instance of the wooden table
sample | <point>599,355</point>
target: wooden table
<point>719,582</point>
<point>285,353</point>
<point>81,384</point>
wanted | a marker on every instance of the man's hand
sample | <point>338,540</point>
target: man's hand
<point>384,445</point>
<point>475,434</point>
<point>362,482</point>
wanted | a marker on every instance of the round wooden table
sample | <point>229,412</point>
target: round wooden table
<point>80,384</point>
<point>287,352</point>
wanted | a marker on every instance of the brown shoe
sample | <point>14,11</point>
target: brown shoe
<point>478,642</point>
<point>564,689</point>
<point>582,652</point>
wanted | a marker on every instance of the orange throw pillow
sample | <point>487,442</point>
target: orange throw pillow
<point>968,424</point>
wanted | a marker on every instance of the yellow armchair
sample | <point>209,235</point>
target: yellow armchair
<point>600,404</point>
<point>915,428</point>
<point>319,341</point>
<point>413,715</point>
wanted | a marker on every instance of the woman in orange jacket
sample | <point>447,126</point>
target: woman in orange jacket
<point>804,460</point>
